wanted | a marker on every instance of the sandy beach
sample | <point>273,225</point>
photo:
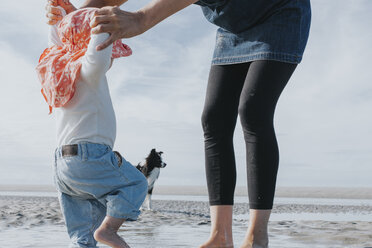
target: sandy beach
<point>36,221</point>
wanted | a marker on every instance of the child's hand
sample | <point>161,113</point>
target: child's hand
<point>54,14</point>
<point>65,4</point>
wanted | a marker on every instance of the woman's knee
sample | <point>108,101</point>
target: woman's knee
<point>208,119</point>
<point>215,123</point>
<point>254,117</point>
<point>249,113</point>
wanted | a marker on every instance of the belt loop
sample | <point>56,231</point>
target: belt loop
<point>84,151</point>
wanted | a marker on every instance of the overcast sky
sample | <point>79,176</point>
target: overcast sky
<point>323,119</point>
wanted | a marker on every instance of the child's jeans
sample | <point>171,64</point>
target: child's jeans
<point>92,184</point>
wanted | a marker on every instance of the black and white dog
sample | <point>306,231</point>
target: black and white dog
<point>151,169</point>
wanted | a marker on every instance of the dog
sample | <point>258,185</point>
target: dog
<point>151,169</point>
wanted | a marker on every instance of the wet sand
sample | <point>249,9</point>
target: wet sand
<point>291,192</point>
<point>30,221</point>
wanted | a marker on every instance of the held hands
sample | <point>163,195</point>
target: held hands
<point>54,14</point>
<point>122,24</point>
<point>118,23</point>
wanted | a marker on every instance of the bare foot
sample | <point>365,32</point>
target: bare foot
<point>217,242</point>
<point>221,228</point>
<point>250,245</point>
<point>257,236</point>
<point>107,233</point>
<point>110,238</point>
<point>251,242</point>
<point>211,244</point>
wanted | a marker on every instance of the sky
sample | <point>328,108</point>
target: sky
<point>323,118</point>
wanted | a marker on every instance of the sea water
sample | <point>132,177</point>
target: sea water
<point>160,236</point>
<point>166,230</point>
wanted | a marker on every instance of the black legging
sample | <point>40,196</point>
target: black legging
<point>252,90</point>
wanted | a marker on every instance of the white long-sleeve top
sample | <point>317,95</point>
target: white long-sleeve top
<point>89,116</point>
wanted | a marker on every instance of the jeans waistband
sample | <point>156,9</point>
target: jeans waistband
<point>81,149</point>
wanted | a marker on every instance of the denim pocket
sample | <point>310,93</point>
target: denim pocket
<point>119,158</point>
<point>116,159</point>
<point>113,162</point>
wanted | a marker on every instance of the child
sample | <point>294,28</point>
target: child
<point>98,189</point>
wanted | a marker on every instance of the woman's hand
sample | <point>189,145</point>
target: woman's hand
<point>54,14</point>
<point>118,23</point>
<point>122,24</point>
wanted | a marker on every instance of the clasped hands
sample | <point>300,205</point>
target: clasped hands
<point>110,19</point>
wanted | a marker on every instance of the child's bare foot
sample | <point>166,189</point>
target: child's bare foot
<point>107,233</point>
<point>109,237</point>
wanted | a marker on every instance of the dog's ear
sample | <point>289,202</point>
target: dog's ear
<point>153,150</point>
<point>160,153</point>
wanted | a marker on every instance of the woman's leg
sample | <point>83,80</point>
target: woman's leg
<point>219,120</point>
<point>257,233</point>
<point>263,85</point>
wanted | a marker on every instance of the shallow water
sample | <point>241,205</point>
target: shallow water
<point>157,229</point>
<point>137,236</point>
<point>175,222</point>
<point>314,216</point>
<point>237,199</point>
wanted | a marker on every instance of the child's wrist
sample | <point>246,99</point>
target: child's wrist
<point>70,8</point>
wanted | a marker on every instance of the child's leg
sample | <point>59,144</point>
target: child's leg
<point>122,203</point>
<point>82,217</point>
<point>107,233</point>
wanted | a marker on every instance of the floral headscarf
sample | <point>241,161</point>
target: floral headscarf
<point>59,66</point>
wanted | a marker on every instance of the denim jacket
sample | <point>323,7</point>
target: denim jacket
<point>258,29</point>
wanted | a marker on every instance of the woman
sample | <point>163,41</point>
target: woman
<point>259,43</point>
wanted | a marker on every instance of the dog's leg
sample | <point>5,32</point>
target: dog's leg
<point>148,198</point>
<point>145,203</point>
<point>149,205</point>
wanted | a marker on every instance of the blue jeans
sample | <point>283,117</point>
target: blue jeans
<point>92,185</point>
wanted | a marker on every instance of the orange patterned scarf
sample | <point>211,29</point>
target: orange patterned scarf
<point>59,66</point>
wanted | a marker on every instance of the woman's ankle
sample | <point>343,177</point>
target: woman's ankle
<point>256,239</point>
<point>219,239</point>
<point>222,237</point>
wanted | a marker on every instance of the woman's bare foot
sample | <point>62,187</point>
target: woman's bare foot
<point>250,243</point>
<point>221,229</point>
<point>107,233</point>
<point>257,235</point>
<point>217,242</point>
